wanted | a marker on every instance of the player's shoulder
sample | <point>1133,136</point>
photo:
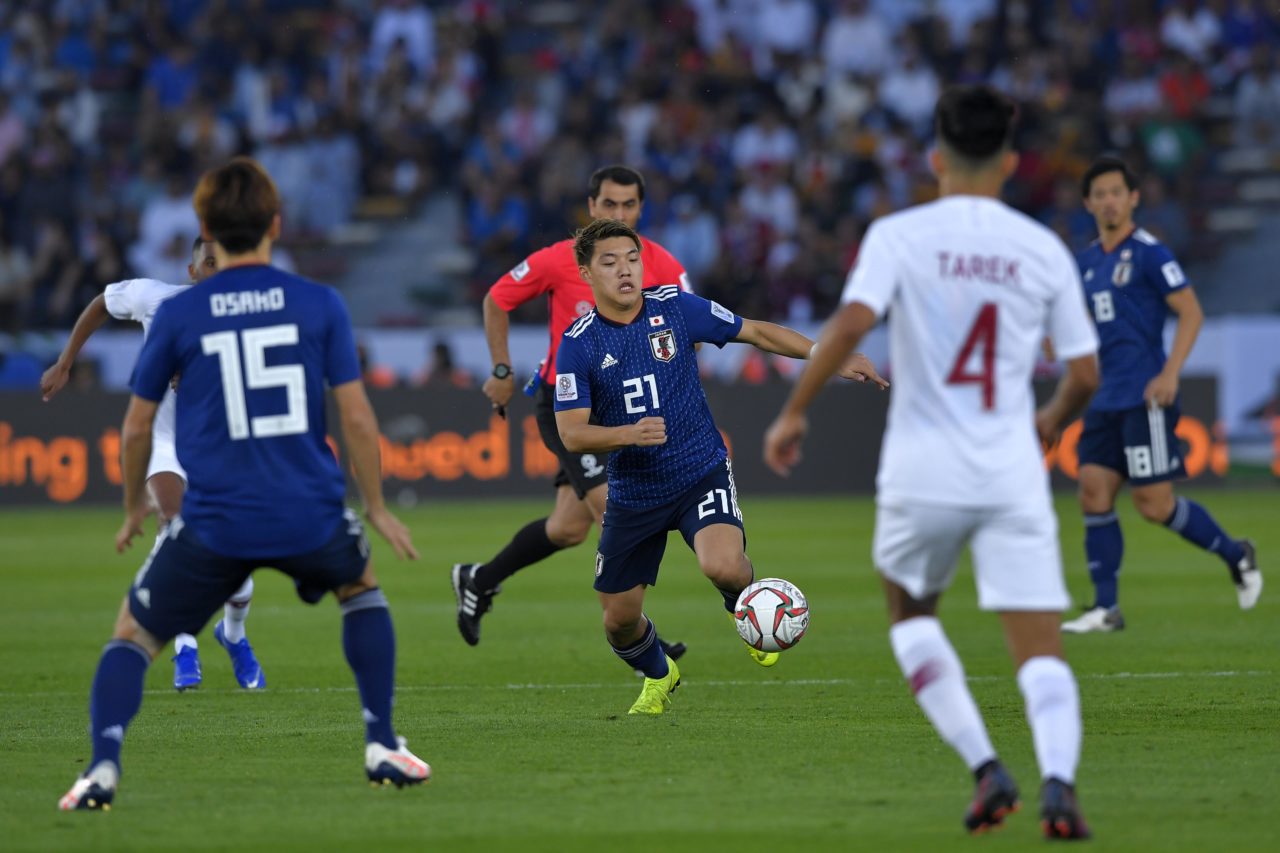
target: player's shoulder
<point>662,292</point>
<point>145,288</point>
<point>1145,237</point>
<point>580,326</point>
<point>1149,246</point>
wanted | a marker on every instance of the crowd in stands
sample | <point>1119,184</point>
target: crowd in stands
<point>771,132</point>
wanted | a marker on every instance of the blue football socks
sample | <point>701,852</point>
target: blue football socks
<point>645,655</point>
<point>116,697</point>
<point>1104,549</point>
<point>1193,523</point>
<point>369,642</point>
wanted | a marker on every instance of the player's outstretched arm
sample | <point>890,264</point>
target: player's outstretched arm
<point>135,448</point>
<point>1075,388</point>
<point>839,336</point>
<point>360,433</point>
<point>497,331</point>
<point>581,436</point>
<point>770,337</point>
<point>89,321</point>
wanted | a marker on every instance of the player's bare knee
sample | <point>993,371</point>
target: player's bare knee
<point>366,582</point>
<point>567,533</point>
<point>726,570</point>
<point>1154,506</point>
<point>128,630</point>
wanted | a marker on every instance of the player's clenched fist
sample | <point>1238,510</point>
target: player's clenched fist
<point>649,432</point>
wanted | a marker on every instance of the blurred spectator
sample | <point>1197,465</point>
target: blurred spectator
<point>374,375</point>
<point>16,282</point>
<point>771,131</point>
<point>1191,28</point>
<point>13,132</point>
<point>911,90</point>
<point>1184,87</point>
<point>692,236</point>
<point>408,23</point>
<point>764,142</point>
<point>856,41</point>
<point>167,220</point>
<point>1162,216</point>
<point>442,372</point>
<point>1257,101</point>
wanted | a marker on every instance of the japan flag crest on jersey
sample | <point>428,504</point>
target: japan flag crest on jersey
<point>663,345</point>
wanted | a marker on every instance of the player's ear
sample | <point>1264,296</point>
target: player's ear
<point>1135,196</point>
<point>936,164</point>
<point>191,272</point>
<point>274,231</point>
<point>584,274</point>
<point>1009,164</point>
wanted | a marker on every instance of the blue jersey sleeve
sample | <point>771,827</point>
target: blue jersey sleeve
<point>1162,271</point>
<point>341,362</point>
<point>573,375</point>
<point>707,321</point>
<point>158,361</point>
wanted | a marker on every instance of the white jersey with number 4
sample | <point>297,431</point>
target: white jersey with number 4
<point>971,287</point>
<point>138,299</point>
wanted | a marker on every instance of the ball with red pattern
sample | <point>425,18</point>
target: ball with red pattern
<point>772,615</point>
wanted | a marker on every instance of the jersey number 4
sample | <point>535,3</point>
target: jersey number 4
<point>982,335</point>
<point>257,375</point>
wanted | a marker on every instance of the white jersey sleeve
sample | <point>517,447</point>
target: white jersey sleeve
<point>138,298</point>
<point>1068,323</point>
<point>874,277</point>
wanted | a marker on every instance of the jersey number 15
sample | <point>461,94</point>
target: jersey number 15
<point>257,375</point>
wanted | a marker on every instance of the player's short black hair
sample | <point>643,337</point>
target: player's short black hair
<point>236,203</point>
<point>624,175</point>
<point>1104,165</point>
<point>586,237</point>
<point>975,122</point>
<point>196,244</point>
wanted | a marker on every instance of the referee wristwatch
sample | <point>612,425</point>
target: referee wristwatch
<point>502,371</point>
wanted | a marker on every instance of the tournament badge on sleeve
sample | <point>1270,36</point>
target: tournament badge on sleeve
<point>663,345</point>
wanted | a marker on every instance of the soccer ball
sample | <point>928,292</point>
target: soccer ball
<point>772,615</point>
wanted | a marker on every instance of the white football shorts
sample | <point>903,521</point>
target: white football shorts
<point>1017,560</point>
<point>164,448</point>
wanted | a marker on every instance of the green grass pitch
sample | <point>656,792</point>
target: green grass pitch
<point>529,736</point>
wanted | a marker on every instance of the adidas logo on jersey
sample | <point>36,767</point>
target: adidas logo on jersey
<point>609,361</point>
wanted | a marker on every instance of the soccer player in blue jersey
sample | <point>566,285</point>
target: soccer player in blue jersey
<point>627,384</point>
<point>255,348</point>
<point>1133,282</point>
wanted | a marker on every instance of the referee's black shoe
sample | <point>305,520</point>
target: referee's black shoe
<point>472,602</point>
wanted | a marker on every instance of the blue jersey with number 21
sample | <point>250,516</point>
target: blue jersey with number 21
<point>648,368</point>
<point>253,348</point>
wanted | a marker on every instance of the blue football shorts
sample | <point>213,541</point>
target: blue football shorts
<point>633,539</point>
<point>1139,443</point>
<point>183,582</point>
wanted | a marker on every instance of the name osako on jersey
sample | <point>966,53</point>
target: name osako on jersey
<point>246,302</point>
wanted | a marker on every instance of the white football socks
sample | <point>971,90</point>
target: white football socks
<point>936,676</point>
<point>236,611</point>
<point>1053,710</point>
<point>183,641</point>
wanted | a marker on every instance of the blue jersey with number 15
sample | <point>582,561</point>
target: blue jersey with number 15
<point>647,368</point>
<point>253,348</point>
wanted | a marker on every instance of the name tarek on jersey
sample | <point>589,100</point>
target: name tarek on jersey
<point>247,302</point>
<point>992,269</point>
